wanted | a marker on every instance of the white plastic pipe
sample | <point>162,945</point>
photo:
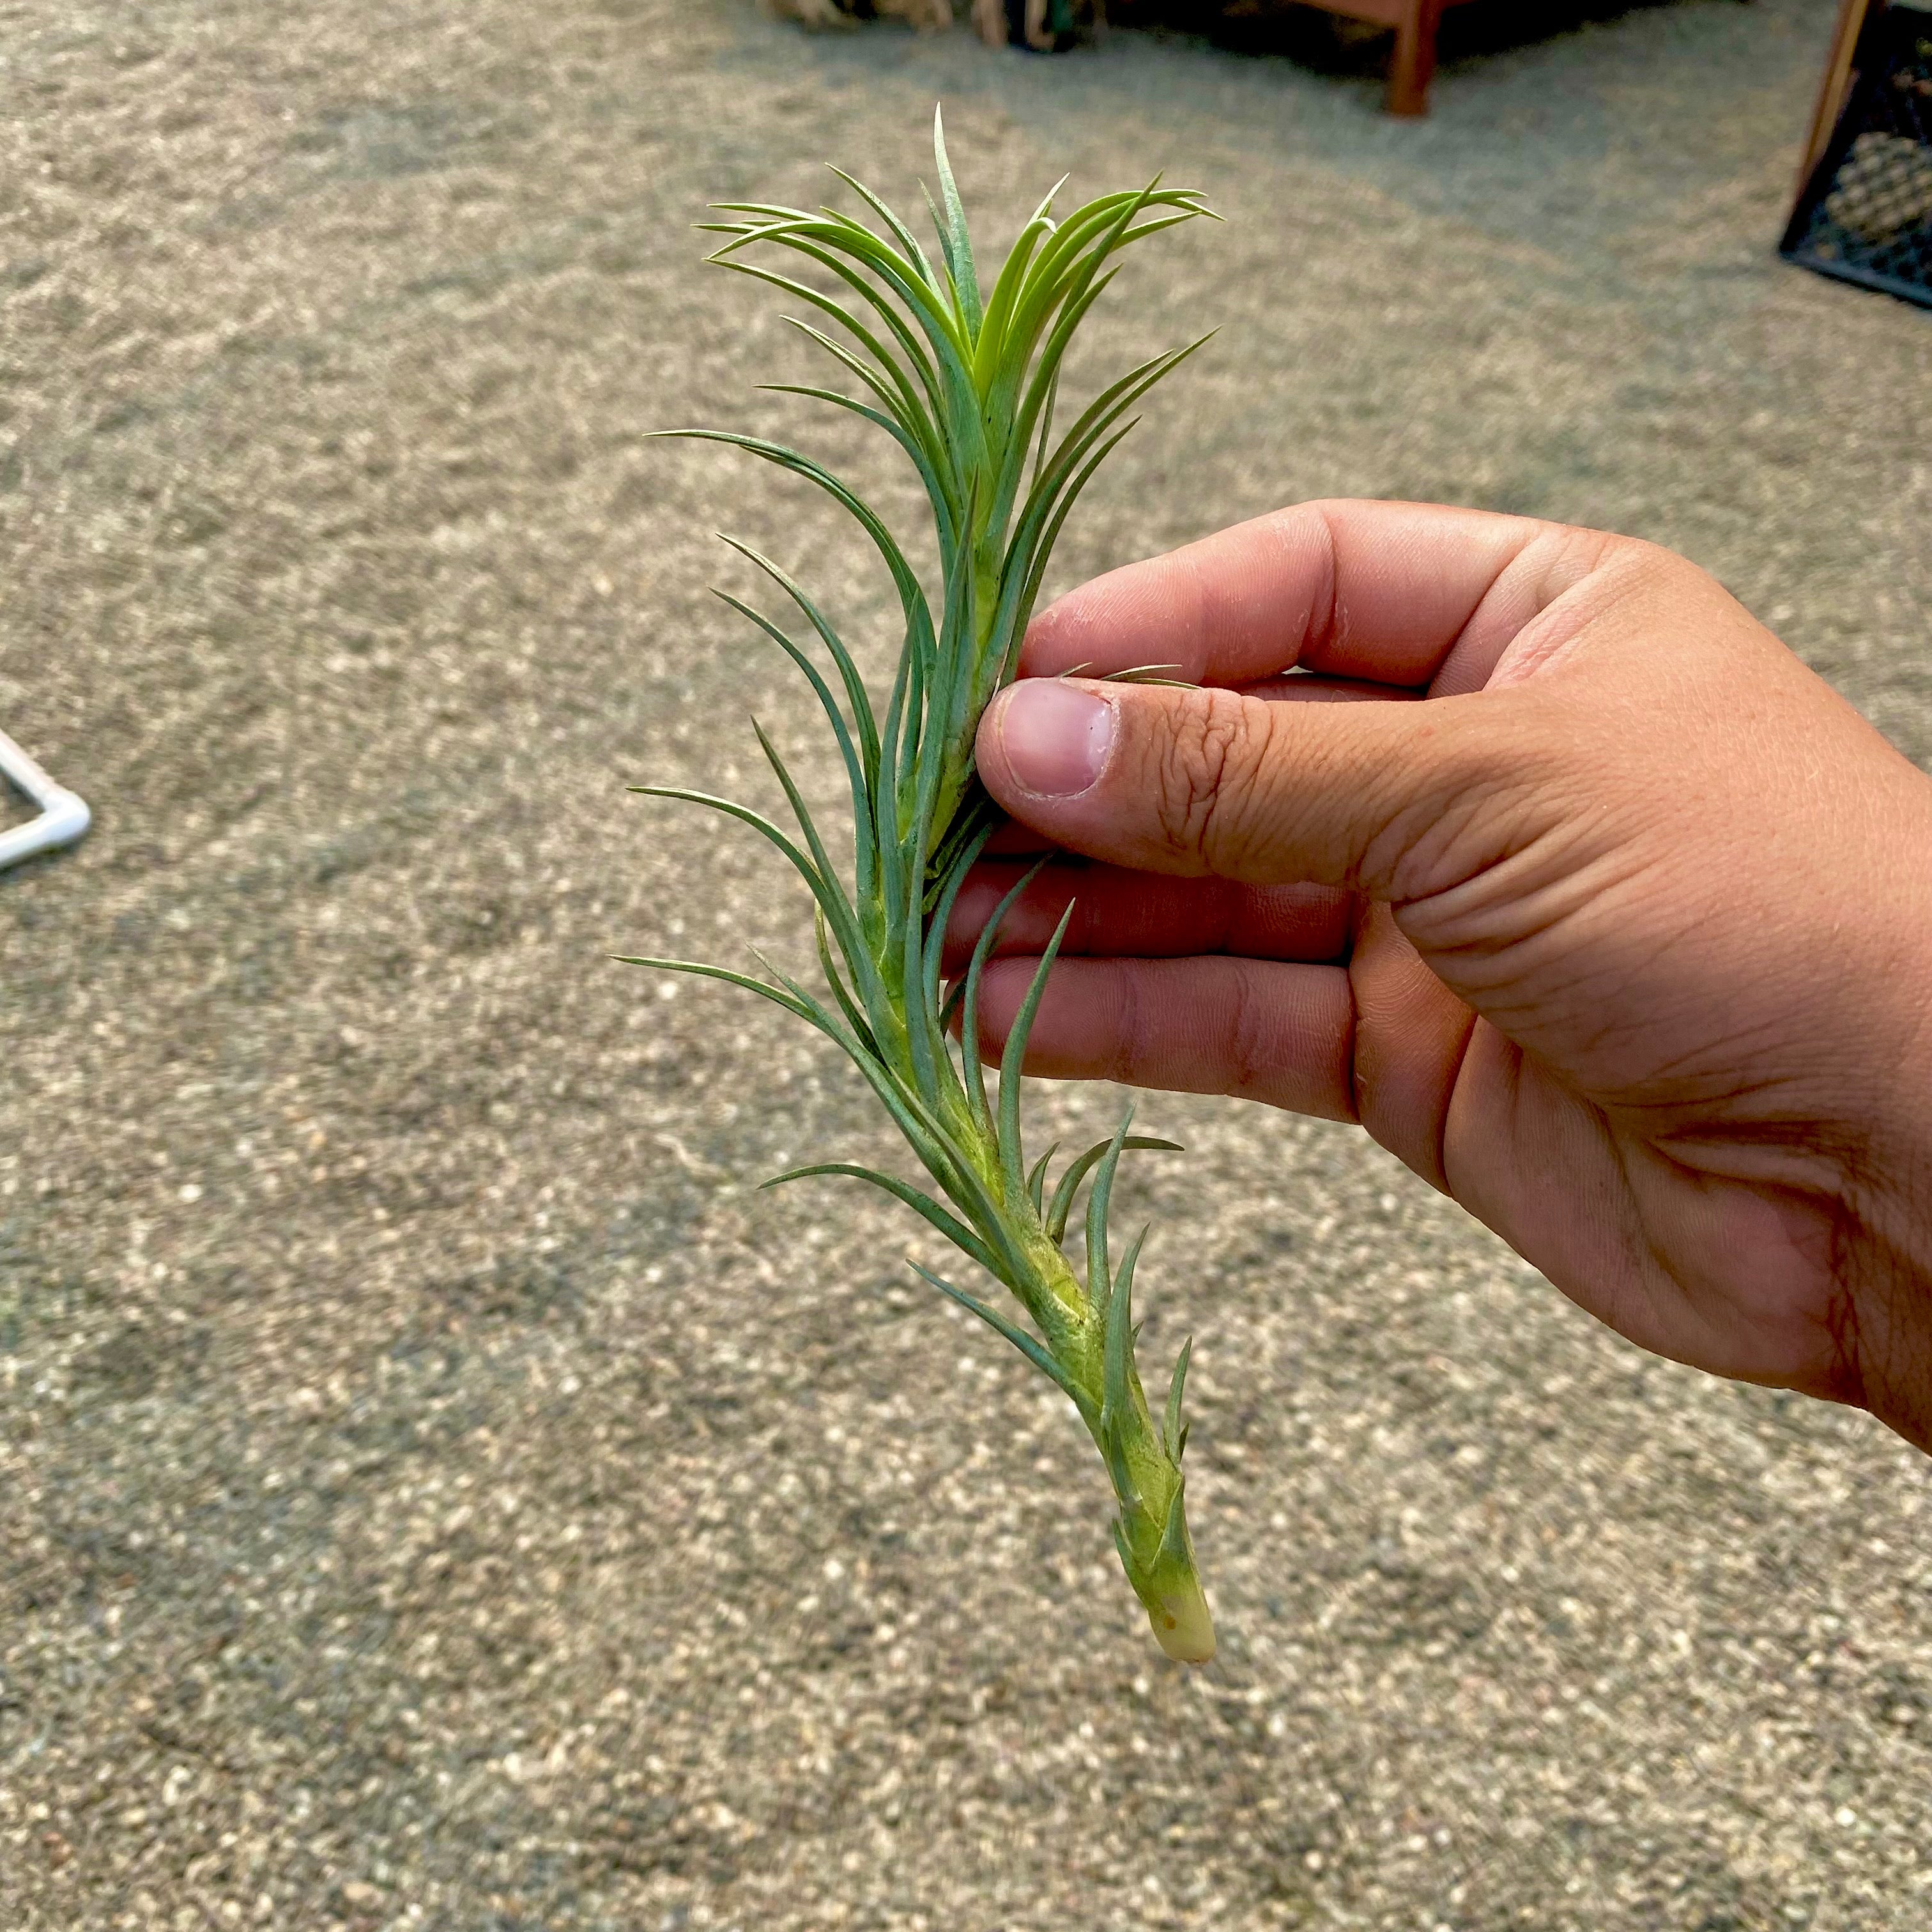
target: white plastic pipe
<point>64,817</point>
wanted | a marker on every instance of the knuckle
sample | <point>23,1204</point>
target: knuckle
<point>1250,1039</point>
<point>1132,1052</point>
<point>1206,759</point>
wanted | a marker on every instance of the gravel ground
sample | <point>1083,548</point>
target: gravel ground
<point>435,1488</point>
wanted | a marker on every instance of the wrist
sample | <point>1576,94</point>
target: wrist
<point>1885,1263</point>
<point>1884,1270</point>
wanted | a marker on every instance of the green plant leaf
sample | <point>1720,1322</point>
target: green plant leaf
<point>955,1230</point>
<point>1062,1203</point>
<point>1171,1433</point>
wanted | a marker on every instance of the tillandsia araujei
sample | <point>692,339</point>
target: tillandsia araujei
<point>965,380</point>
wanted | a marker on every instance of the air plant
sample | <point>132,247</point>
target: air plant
<point>966,381</point>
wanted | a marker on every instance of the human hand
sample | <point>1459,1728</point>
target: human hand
<point>1611,920</point>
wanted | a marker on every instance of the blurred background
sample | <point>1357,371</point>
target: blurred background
<point>436,1490</point>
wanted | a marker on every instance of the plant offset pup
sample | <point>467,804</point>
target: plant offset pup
<point>965,382</point>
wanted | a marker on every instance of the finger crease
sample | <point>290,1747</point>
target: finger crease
<point>1125,1062</point>
<point>1247,1027</point>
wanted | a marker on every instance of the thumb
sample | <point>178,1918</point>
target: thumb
<point>1210,782</point>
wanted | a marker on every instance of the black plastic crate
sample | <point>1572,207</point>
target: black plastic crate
<point>1865,215</point>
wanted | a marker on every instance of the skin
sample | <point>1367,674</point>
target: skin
<point>1530,849</point>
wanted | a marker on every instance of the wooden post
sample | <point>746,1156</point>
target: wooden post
<point>1832,84</point>
<point>1413,62</point>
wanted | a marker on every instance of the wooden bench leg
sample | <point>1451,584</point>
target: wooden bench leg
<point>1413,62</point>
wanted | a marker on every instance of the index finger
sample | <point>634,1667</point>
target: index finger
<point>1383,592</point>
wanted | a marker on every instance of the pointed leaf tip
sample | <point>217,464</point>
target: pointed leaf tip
<point>1118,1350</point>
<point>955,240</point>
<point>1172,1434</point>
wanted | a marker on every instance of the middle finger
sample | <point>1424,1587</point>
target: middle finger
<point>1121,913</point>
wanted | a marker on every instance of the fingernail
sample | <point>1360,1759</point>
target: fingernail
<point>1056,736</point>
